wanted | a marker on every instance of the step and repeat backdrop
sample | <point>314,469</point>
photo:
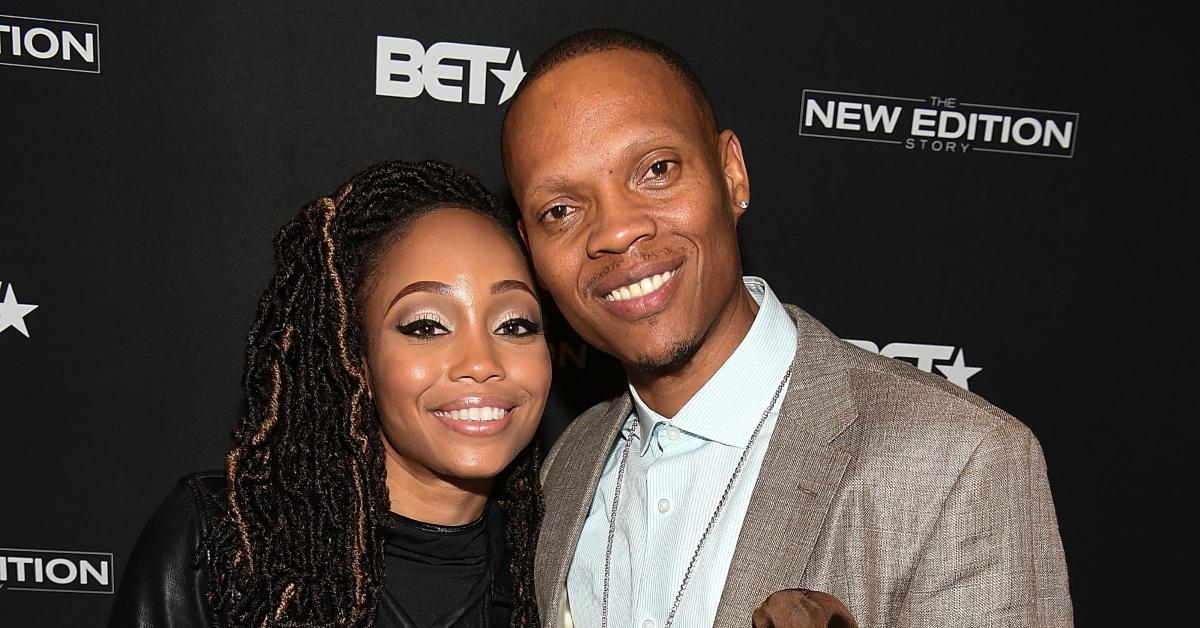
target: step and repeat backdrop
<point>1001,194</point>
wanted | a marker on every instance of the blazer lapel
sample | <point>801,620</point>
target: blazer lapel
<point>800,475</point>
<point>569,492</point>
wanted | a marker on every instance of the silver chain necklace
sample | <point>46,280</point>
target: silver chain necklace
<point>612,518</point>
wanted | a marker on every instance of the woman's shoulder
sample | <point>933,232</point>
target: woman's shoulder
<point>195,503</point>
<point>207,490</point>
<point>162,584</point>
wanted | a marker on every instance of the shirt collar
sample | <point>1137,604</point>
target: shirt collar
<point>727,408</point>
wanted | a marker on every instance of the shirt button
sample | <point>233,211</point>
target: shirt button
<point>649,623</point>
<point>672,433</point>
<point>663,506</point>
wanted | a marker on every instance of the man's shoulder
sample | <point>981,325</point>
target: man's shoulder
<point>912,421</point>
<point>583,425</point>
<point>595,415</point>
<point>882,383</point>
<point>894,396</point>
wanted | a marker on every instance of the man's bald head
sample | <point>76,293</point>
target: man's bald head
<point>620,176</point>
<point>605,39</point>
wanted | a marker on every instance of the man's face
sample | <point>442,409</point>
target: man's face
<point>628,204</point>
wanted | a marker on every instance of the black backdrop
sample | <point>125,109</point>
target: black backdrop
<point>138,203</point>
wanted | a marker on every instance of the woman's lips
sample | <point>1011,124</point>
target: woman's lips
<point>476,416</point>
<point>485,413</point>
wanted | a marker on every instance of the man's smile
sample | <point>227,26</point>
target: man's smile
<point>645,286</point>
<point>640,290</point>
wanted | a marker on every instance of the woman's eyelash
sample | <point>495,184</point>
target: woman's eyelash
<point>519,326</point>
<point>423,328</point>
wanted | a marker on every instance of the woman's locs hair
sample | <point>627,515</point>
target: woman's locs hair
<point>307,502</point>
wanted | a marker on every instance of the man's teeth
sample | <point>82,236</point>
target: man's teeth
<point>473,414</point>
<point>640,288</point>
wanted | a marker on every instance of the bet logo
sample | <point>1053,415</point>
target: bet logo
<point>404,68</point>
<point>13,312</point>
<point>926,358</point>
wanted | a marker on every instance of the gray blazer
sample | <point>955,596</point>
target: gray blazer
<point>912,500</point>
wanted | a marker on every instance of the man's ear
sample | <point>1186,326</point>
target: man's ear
<point>525,240</point>
<point>521,230</point>
<point>733,166</point>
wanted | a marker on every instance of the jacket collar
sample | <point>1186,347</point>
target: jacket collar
<point>800,474</point>
<point>741,388</point>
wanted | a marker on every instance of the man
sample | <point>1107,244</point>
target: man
<point>753,451</point>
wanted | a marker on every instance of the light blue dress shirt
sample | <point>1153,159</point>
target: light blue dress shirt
<point>677,471</point>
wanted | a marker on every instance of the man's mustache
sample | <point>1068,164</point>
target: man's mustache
<point>631,257</point>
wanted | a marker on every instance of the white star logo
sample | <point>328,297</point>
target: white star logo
<point>12,314</point>
<point>958,373</point>
<point>511,77</point>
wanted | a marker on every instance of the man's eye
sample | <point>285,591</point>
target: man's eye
<point>519,327</point>
<point>660,172</point>
<point>423,328</point>
<point>557,212</point>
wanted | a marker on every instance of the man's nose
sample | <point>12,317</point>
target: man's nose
<point>618,222</point>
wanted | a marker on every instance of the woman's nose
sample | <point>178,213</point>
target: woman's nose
<point>477,358</point>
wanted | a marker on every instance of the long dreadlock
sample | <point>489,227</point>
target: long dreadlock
<point>302,542</point>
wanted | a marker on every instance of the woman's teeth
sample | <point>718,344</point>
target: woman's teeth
<point>640,288</point>
<point>473,414</point>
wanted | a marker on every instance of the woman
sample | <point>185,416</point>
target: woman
<point>383,475</point>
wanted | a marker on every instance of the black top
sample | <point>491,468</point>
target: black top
<point>440,576</point>
<point>435,575</point>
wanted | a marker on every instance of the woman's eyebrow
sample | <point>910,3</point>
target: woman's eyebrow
<point>435,287</point>
<point>511,284</point>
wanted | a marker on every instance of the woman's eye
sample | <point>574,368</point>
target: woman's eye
<point>518,327</point>
<point>423,328</point>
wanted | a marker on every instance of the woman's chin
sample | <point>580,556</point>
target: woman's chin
<point>475,471</point>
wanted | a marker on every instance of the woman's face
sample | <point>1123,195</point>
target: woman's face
<point>457,365</point>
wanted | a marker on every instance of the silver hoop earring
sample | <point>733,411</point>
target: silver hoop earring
<point>744,204</point>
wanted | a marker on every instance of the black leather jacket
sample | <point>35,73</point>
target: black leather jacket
<point>160,589</point>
